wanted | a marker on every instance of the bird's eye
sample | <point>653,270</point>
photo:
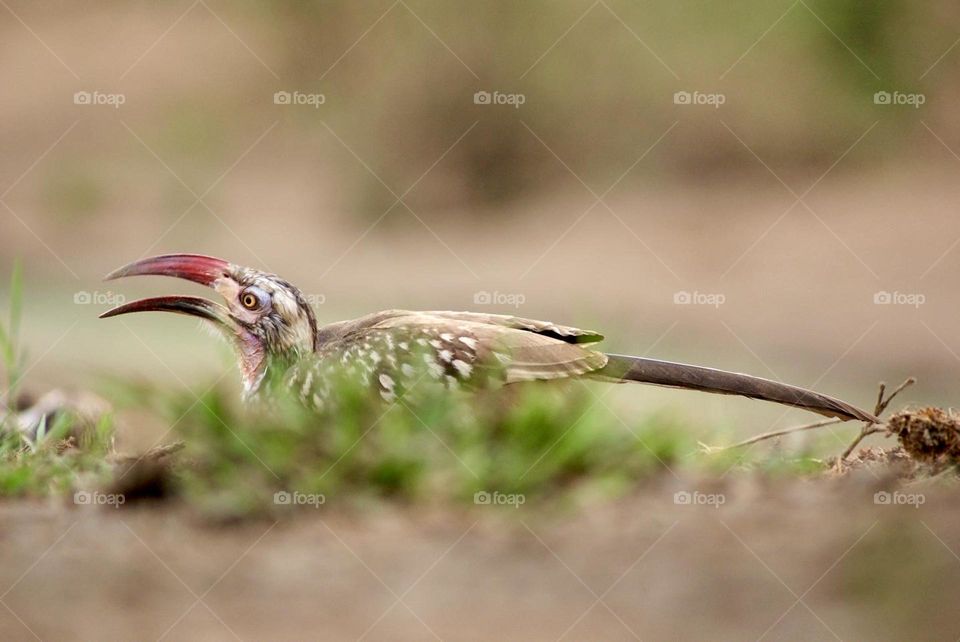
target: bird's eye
<point>249,300</point>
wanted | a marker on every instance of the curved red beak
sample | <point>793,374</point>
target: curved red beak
<point>192,267</point>
<point>205,270</point>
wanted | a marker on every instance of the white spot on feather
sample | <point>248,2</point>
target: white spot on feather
<point>435,368</point>
<point>463,368</point>
<point>386,381</point>
<point>307,381</point>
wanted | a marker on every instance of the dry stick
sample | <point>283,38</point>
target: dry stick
<point>905,384</point>
<point>868,428</point>
<point>866,431</point>
<point>157,452</point>
<point>871,428</point>
<point>879,405</point>
<point>785,431</point>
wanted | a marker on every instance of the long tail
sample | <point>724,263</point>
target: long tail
<point>679,375</point>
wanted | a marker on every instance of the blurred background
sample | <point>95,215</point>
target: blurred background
<point>762,186</point>
<point>767,187</point>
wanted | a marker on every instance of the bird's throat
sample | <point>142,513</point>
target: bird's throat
<point>253,360</point>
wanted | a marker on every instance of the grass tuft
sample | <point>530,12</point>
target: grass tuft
<point>46,459</point>
<point>545,442</point>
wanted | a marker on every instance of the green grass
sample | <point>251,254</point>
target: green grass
<point>56,455</point>
<point>542,442</point>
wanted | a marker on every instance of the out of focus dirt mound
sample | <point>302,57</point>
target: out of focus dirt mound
<point>887,458</point>
<point>929,435</point>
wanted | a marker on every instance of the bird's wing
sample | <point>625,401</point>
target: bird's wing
<point>465,347</point>
<point>564,333</point>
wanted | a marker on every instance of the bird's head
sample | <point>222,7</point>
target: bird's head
<point>264,317</point>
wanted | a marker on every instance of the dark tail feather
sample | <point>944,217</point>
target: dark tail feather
<point>678,375</point>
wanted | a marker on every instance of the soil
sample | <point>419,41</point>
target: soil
<point>745,558</point>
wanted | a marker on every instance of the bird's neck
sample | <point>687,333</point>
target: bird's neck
<point>267,373</point>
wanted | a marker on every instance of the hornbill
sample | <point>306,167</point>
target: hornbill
<point>273,328</point>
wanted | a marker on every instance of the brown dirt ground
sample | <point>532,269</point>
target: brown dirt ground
<point>812,560</point>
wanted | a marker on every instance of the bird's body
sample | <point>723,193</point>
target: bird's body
<point>275,332</point>
<point>396,350</point>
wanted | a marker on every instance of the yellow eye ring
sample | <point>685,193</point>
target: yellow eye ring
<point>249,301</point>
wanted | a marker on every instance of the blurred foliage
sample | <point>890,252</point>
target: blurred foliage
<point>12,355</point>
<point>598,79</point>
<point>598,84</point>
<point>52,463</point>
<point>49,460</point>
<point>539,441</point>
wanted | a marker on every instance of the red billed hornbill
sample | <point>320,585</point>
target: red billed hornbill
<point>272,327</point>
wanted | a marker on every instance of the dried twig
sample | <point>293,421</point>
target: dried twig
<point>868,428</point>
<point>155,453</point>
<point>866,431</point>
<point>872,428</point>
<point>779,433</point>
<point>882,405</point>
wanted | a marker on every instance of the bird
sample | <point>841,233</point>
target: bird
<point>274,331</point>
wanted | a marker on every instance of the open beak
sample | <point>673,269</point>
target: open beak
<point>205,270</point>
<point>192,267</point>
<point>190,305</point>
